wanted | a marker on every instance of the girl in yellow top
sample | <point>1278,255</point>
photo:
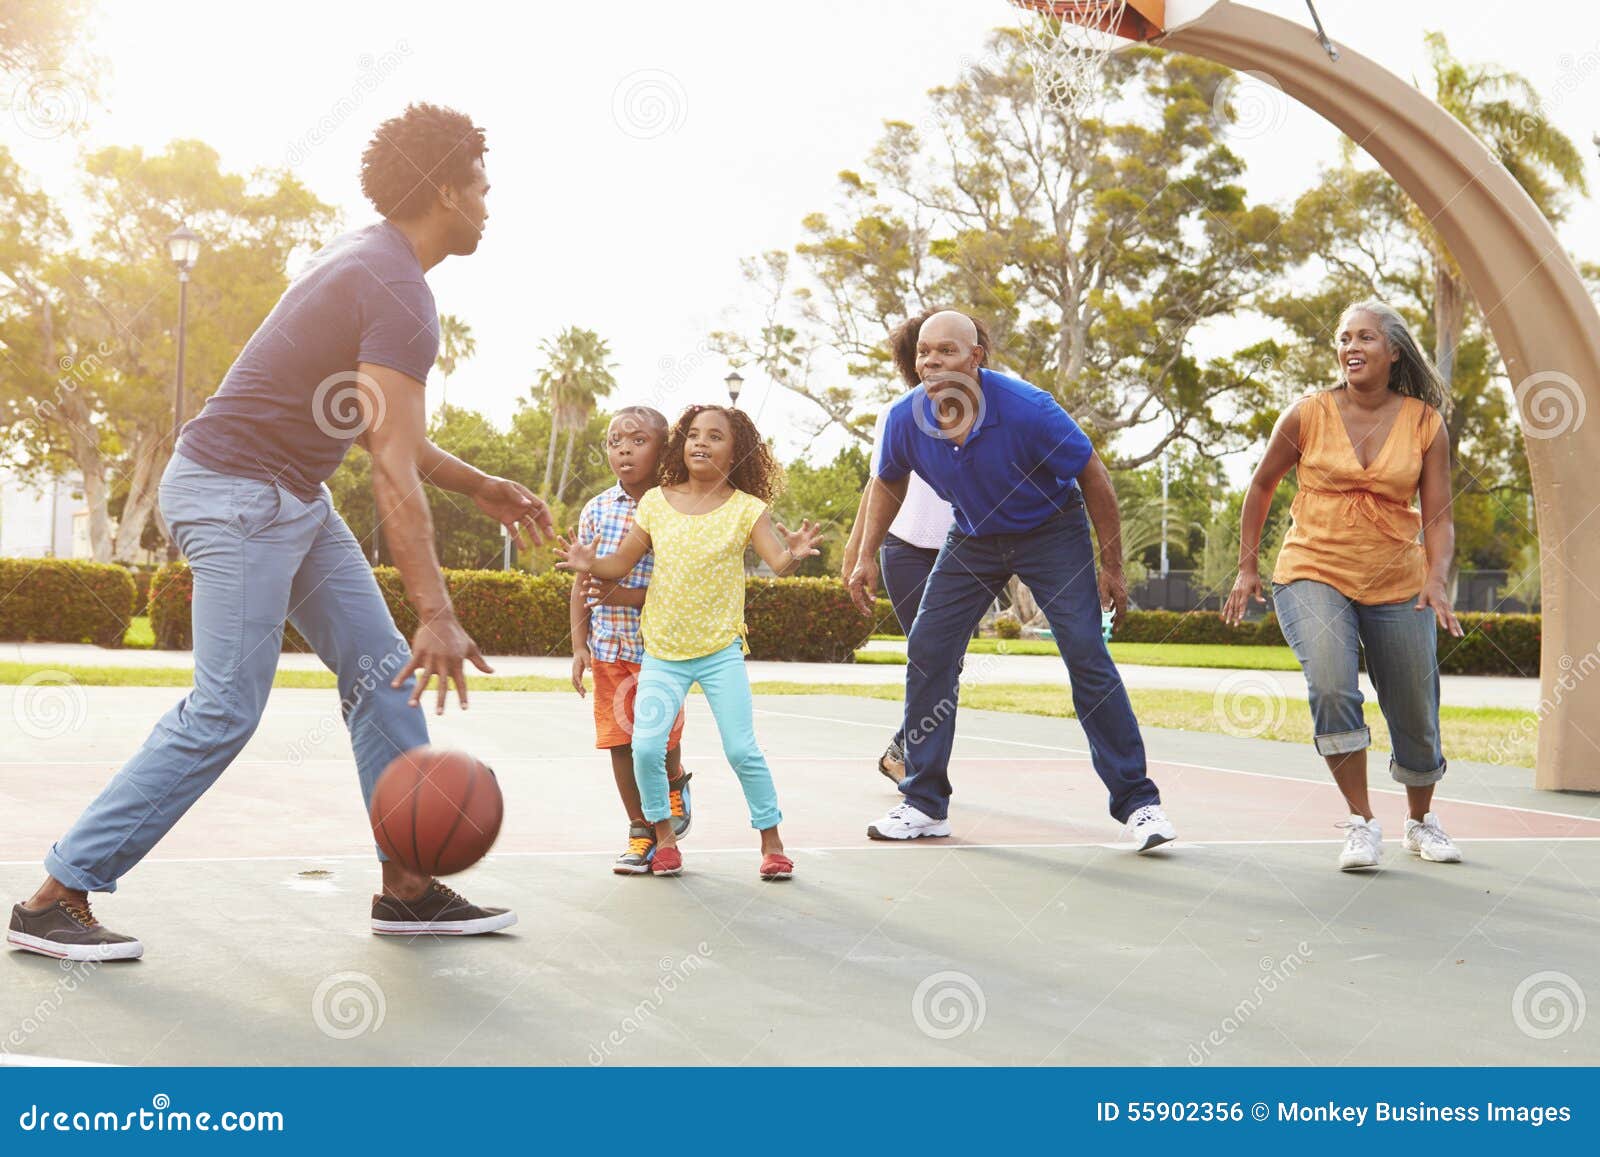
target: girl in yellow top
<point>717,477</point>
<point>1352,577</point>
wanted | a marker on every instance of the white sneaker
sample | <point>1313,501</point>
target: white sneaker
<point>907,823</point>
<point>1363,847</point>
<point>1427,839</point>
<point>1149,828</point>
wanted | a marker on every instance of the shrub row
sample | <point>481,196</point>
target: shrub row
<point>61,600</point>
<point>513,613</point>
<point>1491,644</point>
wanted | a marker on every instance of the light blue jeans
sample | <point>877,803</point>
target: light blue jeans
<point>663,686</point>
<point>1328,631</point>
<point>259,556</point>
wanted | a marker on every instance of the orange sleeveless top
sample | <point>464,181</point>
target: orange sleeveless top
<point>1356,529</point>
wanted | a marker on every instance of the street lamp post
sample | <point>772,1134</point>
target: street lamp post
<point>735,383</point>
<point>184,248</point>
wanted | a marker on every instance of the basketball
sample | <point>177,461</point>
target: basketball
<point>436,812</point>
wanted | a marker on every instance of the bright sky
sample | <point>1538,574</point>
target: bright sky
<point>633,223</point>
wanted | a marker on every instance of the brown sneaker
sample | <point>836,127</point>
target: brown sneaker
<point>892,763</point>
<point>67,930</point>
<point>439,912</point>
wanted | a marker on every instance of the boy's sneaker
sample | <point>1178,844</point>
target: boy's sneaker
<point>641,850</point>
<point>906,822</point>
<point>668,862</point>
<point>1149,828</point>
<point>892,763</point>
<point>67,930</point>
<point>438,912</point>
<point>1427,839</point>
<point>1363,847</point>
<point>678,798</point>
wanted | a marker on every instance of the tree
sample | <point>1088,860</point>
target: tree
<point>827,494</point>
<point>40,35</point>
<point>1092,246</point>
<point>577,372</point>
<point>1506,112</point>
<point>88,328</point>
<point>456,345</point>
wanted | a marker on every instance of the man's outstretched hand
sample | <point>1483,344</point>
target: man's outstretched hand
<point>522,512</point>
<point>863,584</point>
<point>441,648</point>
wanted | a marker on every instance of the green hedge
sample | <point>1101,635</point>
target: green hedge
<point>513,613</point>
<point>59,600</point>
<point>1492,644</point>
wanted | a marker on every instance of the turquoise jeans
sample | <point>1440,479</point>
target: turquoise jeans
<point>260,556</point>
<point>663,686</point>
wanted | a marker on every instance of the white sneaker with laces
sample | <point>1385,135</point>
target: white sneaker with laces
<point>1427,839</point>
<point>1149,828</point>
<point>906,822</point>
<point>1363,847</point>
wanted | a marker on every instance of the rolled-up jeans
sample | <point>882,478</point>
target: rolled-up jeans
<point>259,556</point>
<point>1328,632</point>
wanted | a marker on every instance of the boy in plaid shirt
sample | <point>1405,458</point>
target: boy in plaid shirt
<point>605,629</point>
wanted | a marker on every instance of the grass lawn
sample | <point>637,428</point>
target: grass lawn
<point>1482,734</point>
<point>1219,655</point>
<point>140,637</point>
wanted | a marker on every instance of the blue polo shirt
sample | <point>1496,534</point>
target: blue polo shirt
<point>1019,466</point>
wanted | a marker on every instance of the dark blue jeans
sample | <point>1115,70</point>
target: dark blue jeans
<point>905,570</point>
<point>1056,562</point>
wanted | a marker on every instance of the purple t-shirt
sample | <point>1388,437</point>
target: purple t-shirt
<point>286,411</point>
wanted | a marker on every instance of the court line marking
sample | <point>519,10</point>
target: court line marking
<point>877,847</point>
<point>1199,766</point>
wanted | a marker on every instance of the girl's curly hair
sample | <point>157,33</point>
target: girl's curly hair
<point>755,470</point>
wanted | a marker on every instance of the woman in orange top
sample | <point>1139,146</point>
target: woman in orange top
<point>1353,578</point>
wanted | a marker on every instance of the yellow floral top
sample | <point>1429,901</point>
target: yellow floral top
<point>695,602</point>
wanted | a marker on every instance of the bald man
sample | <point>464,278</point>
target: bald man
<point>1010,461</point>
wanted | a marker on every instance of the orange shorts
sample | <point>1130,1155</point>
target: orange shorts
<point>615,683</point>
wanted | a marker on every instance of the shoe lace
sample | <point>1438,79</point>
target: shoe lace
<point>639,845</point>
<point>448,893</point>
<point>675,801</point>
<point>79,911</point>
<point>1147,813</point>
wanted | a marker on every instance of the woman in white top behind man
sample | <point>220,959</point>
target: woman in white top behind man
<point>917,532</point>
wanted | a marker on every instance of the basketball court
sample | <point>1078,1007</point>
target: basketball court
<point>1029,938</point>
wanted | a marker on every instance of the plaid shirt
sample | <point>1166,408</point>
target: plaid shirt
<point>614,631</point>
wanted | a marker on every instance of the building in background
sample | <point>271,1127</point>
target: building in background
<point>43,519</point>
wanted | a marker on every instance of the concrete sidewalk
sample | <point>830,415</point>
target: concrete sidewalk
<point>1456,690</point>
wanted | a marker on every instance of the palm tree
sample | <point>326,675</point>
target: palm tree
<point>456,345</point>
<point>1505,112</point>
<point>576,373</point>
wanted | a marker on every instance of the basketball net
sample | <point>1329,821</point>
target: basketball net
<point>1067,42</point>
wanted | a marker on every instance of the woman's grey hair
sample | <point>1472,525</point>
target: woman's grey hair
<point>1413,374</point>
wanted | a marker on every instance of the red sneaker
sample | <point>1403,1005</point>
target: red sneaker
<point>776,866</point>
<point>668,862</point>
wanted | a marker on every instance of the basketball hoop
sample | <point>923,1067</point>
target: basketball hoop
<point>1067,42</point>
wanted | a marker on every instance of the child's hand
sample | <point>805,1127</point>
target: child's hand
<point>582,659</point>
<point>802,543</point>
<point>575,555</point>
